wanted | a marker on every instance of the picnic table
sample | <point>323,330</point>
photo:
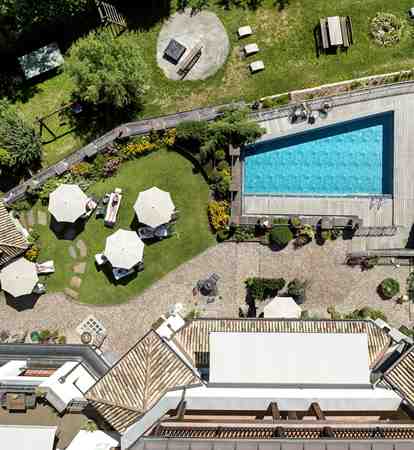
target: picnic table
<point>335,32</point>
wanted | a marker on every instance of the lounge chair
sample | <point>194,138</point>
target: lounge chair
<point>121,273</point>
<point>45,268</point>
<point>161,232</point>
<point>250,49</point>
<point>256,66</point>
<point>244,31</point>
<point>146,233</point>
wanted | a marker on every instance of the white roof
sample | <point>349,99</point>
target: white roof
<point>24,437</point>
<point>95,440</point>
<point>124,249</point>
<point>19,277</point>
<point>289,358</point>
<point>282,307</point>
<point>154,207</point>
<point>67,203</point>
<point>41,60</point>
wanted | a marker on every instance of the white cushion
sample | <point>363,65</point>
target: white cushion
<point>249,49</point>
<point>244,31</point>
<point>255,66</point>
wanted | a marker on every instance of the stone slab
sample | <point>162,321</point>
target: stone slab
<point>83,250</point>
<point>41,218</point>
<point>79,267</point>
<point>30,218</point>
<point>71,293</point>
<point>75,282</point>
<point>72,252</point>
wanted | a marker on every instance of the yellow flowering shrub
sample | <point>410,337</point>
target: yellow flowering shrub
<point>141,147</point>
<point>169,137</point>
<point>82,169</point>
<point>218,214</point>
<point>32,253</point>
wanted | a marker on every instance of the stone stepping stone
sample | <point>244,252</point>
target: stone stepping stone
<point>41,218</point>
<point>83,250</point>
<point>71,293</point>
<point>30,218</point>
<point>79,267</point>
<point>75,282</point>
<point>72,252</point>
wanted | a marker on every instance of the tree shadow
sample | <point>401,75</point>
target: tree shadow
<point>144,15</point>
<point>22,303</point>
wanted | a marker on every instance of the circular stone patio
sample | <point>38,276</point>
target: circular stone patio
<point>187,29</point>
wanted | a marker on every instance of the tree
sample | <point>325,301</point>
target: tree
<point>106,70</point>
<point>20,147</point>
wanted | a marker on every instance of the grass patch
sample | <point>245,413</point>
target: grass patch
<point>287,48</point>
<point>168,171</point>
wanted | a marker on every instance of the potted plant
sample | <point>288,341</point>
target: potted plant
<point>389,288</point>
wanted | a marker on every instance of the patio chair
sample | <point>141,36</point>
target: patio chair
<point>121,273</point>
<point>161,232</point>
<point>100,212</point>
<point>39,289</point>
<point>146,233</point>
<point>215,277</point>
<point>244,31</point>
<point>250,49</point>
<point>256,66</point>
<point>100,259</point>
<point>45,268</point>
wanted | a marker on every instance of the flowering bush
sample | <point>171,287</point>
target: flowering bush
<point>386,29</point>
<point>82,169</point>
<point>218,214</point>
<point>32,253</point>
<point>111,166</point>
<point>169,137</point>
<point>139,148</point>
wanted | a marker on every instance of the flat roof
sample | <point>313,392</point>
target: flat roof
<point>27,437</point>
<point>289,358</point>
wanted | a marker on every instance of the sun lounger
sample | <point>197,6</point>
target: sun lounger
<point>45,268</point>
<point>113,208</point>
<point>250,49</point>
<point>256,66</point>
<point>146,233</point>
<point>244,31</point>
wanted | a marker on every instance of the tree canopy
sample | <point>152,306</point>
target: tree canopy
<point>19,145</point>
<point>108,70</point>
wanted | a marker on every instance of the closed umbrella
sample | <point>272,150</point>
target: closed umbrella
<point>19,277</point>
<point>154,207</point>
<point>124,249</point>
<point>67,203</point>
<point>282,307</point>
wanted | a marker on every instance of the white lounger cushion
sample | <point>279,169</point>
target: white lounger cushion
<point>250,49</point>
<point>255,66</point>
<point>244,31</point>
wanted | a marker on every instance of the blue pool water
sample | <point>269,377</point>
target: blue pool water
<point>351,158</point>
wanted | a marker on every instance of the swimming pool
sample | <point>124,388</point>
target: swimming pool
<point>350,158</point>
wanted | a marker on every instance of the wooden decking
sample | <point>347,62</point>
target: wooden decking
<point>398,211</point>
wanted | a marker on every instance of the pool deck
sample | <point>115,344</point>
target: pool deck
<point>396,211</point>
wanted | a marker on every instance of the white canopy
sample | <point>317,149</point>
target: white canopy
<point>124,249</point>
<point>67,203</point>
<point>282,307</point>
<point>92,440</point>
<point>154,207</point>
<point>19,277</point>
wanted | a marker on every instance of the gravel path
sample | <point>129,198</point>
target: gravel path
<point>331,283</point>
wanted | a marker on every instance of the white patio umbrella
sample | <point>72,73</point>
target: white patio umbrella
<point>67,203</point>
<point>154,207</point>
<point>282,307</point>
<point>19,277</point>
<point>124,249</point>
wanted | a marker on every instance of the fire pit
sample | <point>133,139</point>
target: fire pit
<point>174,51</point>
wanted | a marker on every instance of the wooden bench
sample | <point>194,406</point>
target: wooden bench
<point>189,60</point>
<point>344,31</point>
<point>324,34</point>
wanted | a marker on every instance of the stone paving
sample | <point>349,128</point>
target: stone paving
<point>331,283</point>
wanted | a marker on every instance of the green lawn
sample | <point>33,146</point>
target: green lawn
<point>168,171</point>
<point>287,48</point>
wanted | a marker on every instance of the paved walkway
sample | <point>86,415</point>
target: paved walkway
<point>330,283</point>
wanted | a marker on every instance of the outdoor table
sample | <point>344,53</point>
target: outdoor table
<point>174,51</point>
<point>16,402</point>
<point>335,33</point>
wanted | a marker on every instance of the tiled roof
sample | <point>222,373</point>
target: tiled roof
<point>12,242</point>
<point>194,337</point>
<point>401,376</point>
<point>138,380</point>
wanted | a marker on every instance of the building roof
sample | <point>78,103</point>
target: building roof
<point>401,376</point>
<point>138,381</point>
<point>193,338</point>
<point>12,242</point>
<point>25,437</point>
<point>298,359</point>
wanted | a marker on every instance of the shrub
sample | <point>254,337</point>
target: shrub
<point>140,147</point>
<point>365,313</point>
<point>301,241</point>
<point>280,236</point>
<point>107,70</point>
<point>220,155</point>
<point>274,102</point>
<point>223,235</point>
<point>223,166</point>
<point>389,288</point>
<point>297,290</point>
<point>111,166</point>
<point>325,235</point>
<point>82,169</point>
<point>407,331</point>
<point>369,263</point>
<point>33,237</point>
<point>307,230</point>
<point>296,223</point>
<point>169,137</point>
<point>50,185</point>
<point>21,205</point>
<point>243,233</point>
<point>386,29</point>
<point>262,288</point>
<point>191,134</point>
<point>32,253</point>
<point>218,214</point>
